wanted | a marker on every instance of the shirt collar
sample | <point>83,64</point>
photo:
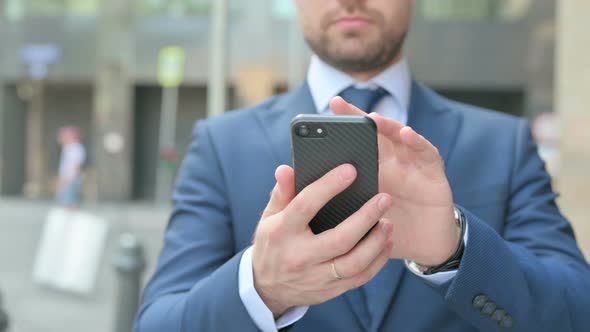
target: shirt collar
<point>326,82</point>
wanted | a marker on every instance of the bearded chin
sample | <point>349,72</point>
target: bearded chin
<point>375,55</point>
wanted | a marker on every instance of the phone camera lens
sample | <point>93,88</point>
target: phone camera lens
<point>303,131</point>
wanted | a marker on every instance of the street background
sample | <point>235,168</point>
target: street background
<point>36,308</point>
<point>134,76</point>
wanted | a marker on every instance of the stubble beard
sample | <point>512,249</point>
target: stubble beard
<point>377,54</point>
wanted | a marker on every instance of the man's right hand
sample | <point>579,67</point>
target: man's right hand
<point>292,266</point>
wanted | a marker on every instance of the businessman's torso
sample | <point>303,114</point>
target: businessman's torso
<point>478,149</point>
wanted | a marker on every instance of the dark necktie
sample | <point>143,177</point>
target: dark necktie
<point>365,99</point>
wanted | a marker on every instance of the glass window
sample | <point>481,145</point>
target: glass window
<point>180,8</point>
<point>82,7</point>
<point>44,8</point>
<point>444,10</point>
<point>173,7</point>
<point>514,9</point>
<point>14,10</point>
<point>465,10</point>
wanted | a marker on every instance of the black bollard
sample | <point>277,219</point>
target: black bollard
<point>129,264</point>
<point>3,317</point>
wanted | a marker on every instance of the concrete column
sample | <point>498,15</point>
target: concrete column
<point>256,36</point>
<point>113,101</point>
<point>13,148</point>
<point>217,82</point>
<point>540,69</point>
<point>2,124</point>
<point>36,180</point>
<point>298,56</point>
<point>573,105</point>
<point>540,85</point>
<point>254,79</point>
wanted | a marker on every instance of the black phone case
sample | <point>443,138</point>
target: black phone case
<point>348,139</point>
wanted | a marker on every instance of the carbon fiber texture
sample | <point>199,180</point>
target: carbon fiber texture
<point>348,140</point>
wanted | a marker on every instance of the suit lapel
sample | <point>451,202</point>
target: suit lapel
<point>276,121</point>
<point>429,117</point>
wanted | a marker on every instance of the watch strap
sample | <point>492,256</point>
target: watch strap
<point>454,261</point>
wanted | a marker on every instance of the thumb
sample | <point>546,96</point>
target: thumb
<point>341,107</point>
<point>283,192</point>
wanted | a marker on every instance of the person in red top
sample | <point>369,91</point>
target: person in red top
<point>72,159</point>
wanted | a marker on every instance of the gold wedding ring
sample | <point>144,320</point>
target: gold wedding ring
<point>334,272</point>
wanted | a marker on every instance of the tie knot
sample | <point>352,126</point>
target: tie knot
<point>365,99</point>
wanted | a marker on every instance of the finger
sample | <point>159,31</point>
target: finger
<point>371,271</point>
<point>283,191</point>
<point>387,127</point>
<point>334,287</point>
<point>341,107</point>
<point>358,259</point>
<point>420,145</point>
<point>342,238</point>
<point>310,200</point>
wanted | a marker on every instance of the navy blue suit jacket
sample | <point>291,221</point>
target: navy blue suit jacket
<point>521,251</point>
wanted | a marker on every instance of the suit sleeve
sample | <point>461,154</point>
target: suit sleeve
<point>195,285</point>
<point>534,272</point>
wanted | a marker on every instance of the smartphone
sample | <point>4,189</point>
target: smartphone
<point>321,143</point>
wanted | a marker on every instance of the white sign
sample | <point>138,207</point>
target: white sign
<point>171,66</point>
<point>113,142</point>
<point>70,251</point>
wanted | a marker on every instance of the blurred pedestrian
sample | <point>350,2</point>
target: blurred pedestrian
<point>73,155</point>
<point>72,240</point>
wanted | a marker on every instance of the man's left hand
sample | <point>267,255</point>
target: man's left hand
<point>411,170</point>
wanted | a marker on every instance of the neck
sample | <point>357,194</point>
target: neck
<point>365,76</point>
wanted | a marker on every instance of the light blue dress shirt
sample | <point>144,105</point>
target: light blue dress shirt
<point>325,82</point>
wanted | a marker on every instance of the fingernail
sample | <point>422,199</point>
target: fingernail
<point>347,172</point>
<point>384,203</point>
<point>386,227</point>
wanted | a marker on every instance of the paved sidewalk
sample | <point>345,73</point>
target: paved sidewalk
<point>37,309</point>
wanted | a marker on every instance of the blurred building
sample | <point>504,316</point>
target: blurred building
<point>494,53</point>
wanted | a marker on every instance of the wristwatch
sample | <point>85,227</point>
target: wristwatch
<point>454,261</point>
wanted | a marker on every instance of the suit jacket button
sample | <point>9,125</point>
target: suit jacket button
<point>506,322</point>
<point>488,308</point>
<point>498,315</point>
<point>479,301</point>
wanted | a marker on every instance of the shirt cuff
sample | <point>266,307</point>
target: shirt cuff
<point>439,278</point>
<point>258,311</point>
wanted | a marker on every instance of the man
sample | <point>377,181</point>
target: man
<point>71,161</point>
<point>469,236</point>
